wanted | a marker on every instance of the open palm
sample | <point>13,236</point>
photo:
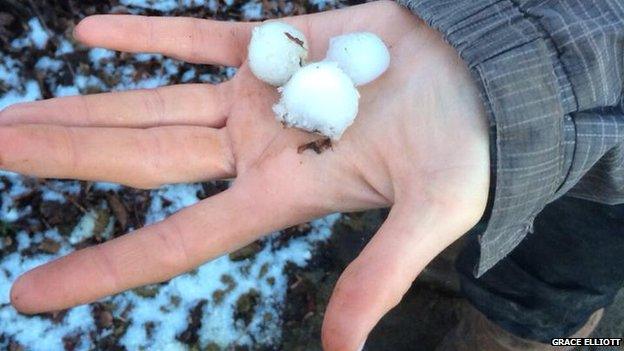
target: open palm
<point>419,144</point>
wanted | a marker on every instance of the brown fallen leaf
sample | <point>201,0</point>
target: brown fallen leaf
<point>119,209</point>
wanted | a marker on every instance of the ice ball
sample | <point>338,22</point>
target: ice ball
<point>320,98</point>
<point>276,51</point>
<point>363,56</point>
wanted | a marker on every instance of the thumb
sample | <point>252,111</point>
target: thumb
<point>378,278</point>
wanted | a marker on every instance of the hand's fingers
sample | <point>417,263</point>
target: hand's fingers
<point>217,225</point>
<point>143,158</point>
<point>190,39</point>
<point>376,281</point>
<point>192,104</point>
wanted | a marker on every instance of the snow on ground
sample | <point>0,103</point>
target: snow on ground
<point>169,5</point>
<point>37,36</point>
<point>156,319</point>
<point>29,92</point>
<point>252,10</point>
<point>323,4</point>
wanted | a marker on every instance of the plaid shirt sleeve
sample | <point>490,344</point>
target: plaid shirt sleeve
<point>551,78</point>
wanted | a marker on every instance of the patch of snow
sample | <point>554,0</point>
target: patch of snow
<point>98,55</point>
<point>38,35</point>
<point>230,72</point>
<point>48,64</point>
<point>252,10</point>
<point>170,66</point>
<point>177,196</point>
<point>62,187</point>
<point>323,4</point>
<point>84,229</point>
<point>83,82</point>
<point>31,92</point>
<point>9,69</point>
<point>166,5</point>
<point>8,212</point>
<point>23,241</point>
<point>103,186</point>
<point>208,78</point>
<point>52,195</point>
<point>148,83</point>
<point>189,75</point>
<point>288,7</point>
<point>65,47</point>
<point>66,90</point>
<point>20,43</point>
<point>145,57</point>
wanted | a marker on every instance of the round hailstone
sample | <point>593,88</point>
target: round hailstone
<point>363,56</point>
<point>319,97</point>
<point>276,51</point>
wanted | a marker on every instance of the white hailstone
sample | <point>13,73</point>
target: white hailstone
<point>319,97</point>
<point>276,51</point>
<point>363,56</point>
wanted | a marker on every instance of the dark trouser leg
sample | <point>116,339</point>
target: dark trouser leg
<point>571,266</point>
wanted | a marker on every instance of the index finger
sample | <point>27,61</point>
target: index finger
<point>189,39</point>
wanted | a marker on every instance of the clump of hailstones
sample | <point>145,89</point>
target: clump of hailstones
<point>319,97</point>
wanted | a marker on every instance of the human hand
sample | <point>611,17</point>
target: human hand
<point>419,144</point>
